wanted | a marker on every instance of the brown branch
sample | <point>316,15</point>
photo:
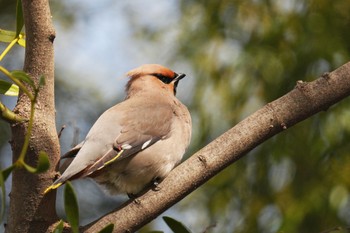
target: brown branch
<point>29,210</point>
<point>304,101</point>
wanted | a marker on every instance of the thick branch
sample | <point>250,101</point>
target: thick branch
<point>29,210</point>
<point>304,101</point>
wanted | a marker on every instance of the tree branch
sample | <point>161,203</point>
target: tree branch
<point>30,211</point>
<point>305,100</point>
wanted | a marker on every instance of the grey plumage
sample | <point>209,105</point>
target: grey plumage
<point>138,140</point>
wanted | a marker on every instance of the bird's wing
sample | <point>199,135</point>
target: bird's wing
<point>140,128</point>
<point>72,152</point>
<point>121,131</point>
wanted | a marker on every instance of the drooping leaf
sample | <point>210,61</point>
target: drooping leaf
<point>7,36</point>
<point>59,227</point>
<point>9,89</point>
<point>107,229</point>
<point>176,226</point>
<point>43,164</point>
<point>71,207</point>
<point>24,77</point>
<point>19,17</point>
<point>6,172</point>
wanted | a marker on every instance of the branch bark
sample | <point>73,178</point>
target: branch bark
<point>305,100</point>
<point>29,210</point>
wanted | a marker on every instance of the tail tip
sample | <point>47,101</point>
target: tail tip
<point>52,187</point>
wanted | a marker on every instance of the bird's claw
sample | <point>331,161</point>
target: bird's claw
<point>155,183</point>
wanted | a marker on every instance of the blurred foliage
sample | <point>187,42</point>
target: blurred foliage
<point>245,54</point>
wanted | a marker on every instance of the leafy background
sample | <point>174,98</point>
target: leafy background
<point>238,55</point>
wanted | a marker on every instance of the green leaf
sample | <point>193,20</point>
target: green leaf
<point>59,227</point>
<point>6,172</point>
<point>176,226</point>
<point>107,229</point>
<point>71,207</point>
<point>43,164</point>
<point>22,40</point>
<point>24,77</point>
<point>42,81</point>
<point>19,17</point>
<point>7,36</point>
<point>9,89</point>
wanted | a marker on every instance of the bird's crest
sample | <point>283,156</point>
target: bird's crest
<point>151,69</point>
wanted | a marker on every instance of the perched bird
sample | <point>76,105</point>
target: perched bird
<point>138,141</point>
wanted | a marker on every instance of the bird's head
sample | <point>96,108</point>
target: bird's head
<point>152,76</point>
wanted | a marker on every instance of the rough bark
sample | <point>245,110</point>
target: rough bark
<point>302,102</point>
<point>29,210</point>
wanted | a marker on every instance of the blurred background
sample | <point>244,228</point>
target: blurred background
<point>238,56</point>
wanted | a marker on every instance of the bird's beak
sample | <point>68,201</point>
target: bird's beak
<point>179,77</point>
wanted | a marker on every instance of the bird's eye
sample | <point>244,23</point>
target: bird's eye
<point>163,78</point>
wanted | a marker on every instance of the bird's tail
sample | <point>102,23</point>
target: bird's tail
<point>52,187</point>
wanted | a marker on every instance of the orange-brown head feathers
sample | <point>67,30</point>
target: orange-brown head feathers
<point>151,76</point>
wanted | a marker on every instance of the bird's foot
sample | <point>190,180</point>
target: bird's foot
<point>155,183</point>
<point>131,195</point>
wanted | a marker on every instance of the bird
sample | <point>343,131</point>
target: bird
<point>138,141</point>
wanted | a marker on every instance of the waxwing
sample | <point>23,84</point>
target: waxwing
<point>138,141</point>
